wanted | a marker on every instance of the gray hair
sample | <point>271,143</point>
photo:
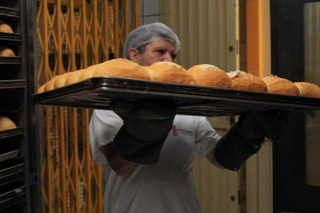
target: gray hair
<point>145,34</point>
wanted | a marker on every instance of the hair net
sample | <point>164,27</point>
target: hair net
<point>145,34</point>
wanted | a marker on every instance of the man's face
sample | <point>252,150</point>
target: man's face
<point>158,50</point>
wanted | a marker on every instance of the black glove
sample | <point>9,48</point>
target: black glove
<point>146,127</point>
<point>245,138</point>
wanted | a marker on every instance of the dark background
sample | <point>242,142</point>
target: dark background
<point>291,193</point>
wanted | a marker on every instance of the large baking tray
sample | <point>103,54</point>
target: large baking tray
<point>98,92</point>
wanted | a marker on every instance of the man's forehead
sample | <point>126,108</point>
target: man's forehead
<point>162,44</point>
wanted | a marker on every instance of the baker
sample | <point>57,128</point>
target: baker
<point>148,151</point>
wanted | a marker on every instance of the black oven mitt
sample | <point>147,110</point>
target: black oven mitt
<point>245,137</point>
<point>146,125</point>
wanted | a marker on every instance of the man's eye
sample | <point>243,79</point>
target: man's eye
<point>173,56</point>
<point>161,52</point>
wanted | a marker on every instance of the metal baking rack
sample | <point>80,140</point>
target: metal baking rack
<point>11,198</point>
<point>11,174</point>
<point>11,132</point>
<point>98,92</point>
<point>9,13</point>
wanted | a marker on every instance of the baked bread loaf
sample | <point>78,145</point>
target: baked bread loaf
<point>210,76</point>
<point>308,89</point>
<point>5,28</point>
<point>6,123</point>
<point>122,68</point>
<point>73,77</point>
<point>6,52</point>
<point>169,72</point>
<point>50,84</point>
<point>61,80</point>
<point>279,85</point>
<point>41,89</point>
<point>246,81</point>
<point>88,72</point>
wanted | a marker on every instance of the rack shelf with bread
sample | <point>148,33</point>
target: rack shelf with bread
<point>12,197</point>
<point>14,156</point>
<point>8,38</point>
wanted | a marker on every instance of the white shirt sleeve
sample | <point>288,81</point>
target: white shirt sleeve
<point>206,137</point>
<point>104,125</point>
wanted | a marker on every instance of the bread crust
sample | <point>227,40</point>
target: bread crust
<point>88,72</point>
<point>246,81</point>
<point>61,80</point>
<point>210,76</point>
<point>170,72</point>
<point>41,89</point>
<point>122,68</point>
<point>6,52</point>
<point>308,89</point>
<point>5,28</point>
<point>73,77</point>
<point>6,123</point>
<point>50,84</point>
<point>279,85</point>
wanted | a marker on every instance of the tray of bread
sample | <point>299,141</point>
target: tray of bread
<point>201,90</point>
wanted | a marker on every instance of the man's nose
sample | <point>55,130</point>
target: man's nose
<point>167,57</point>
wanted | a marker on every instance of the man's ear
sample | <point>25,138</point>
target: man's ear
<point>134,55</point>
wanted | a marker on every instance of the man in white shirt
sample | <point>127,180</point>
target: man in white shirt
<point>156,173</point>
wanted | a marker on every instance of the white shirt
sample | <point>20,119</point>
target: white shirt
<point>167,186</point>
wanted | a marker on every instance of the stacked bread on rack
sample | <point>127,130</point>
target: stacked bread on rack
<point>202,75</point>
<point>4,50</point>
<point>6,123</point>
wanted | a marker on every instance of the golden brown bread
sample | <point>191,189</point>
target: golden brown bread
<point>279,85</point>
<point>5,28</point>
<point>6,123</point>
<point>61,80</point>
<point>41,89</point>
<point>246,81</point>
<point>73,77</point>
<point>6,52</point>
<point>50,84</point>
<point>88,72</point>
<point>122,68</point>
<point>170,72</point>
<point>210,76</point>
<point>308,89</point>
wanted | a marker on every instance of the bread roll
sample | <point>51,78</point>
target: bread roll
<point>308,89</point>
<point>61,80</point>
<point>74,77</point>
<point>41,89</point>
<point>122,68</point>
<point>246,81</point>
<point>210,76</point>
<point>6,123</point>
<point>170,72</point>
<point>6,52</point>
<point>279,85</point>
<point>50,84</point>
<point>88,72</point>
<point>5,28</point>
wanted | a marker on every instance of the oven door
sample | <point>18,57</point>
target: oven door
<point>295,38</point>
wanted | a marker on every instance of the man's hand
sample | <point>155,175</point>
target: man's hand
<point>146,127</point>
<point>245,138</point>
